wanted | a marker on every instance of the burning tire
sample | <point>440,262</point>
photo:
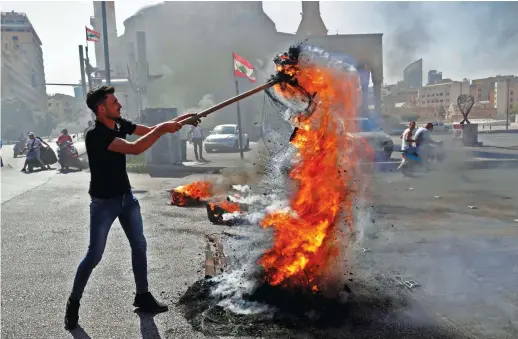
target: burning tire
<point>215,212</point>
<point>193,194</point>
<point>182,199</point>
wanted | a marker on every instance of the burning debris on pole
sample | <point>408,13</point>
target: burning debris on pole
<point>193,194</point>
<point>308,211</point>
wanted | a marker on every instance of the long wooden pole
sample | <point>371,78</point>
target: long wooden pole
<point>240,132</point>
<point>228,102</point>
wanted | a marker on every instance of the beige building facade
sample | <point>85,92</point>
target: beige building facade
<point>62,106</point>
<point>23,73</point>
<point>506,96</point>
<point>442,95</point>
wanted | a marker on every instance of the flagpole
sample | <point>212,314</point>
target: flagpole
<point>240,130</point>
<point>106,45</point>
<point>88,68</point>
<point>82,68</point>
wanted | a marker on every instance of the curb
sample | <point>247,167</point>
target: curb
<point>494,155</point>
<point>495,131</point>
<point>171,171</point>
<point>471,164</point>
<point>215,260</point>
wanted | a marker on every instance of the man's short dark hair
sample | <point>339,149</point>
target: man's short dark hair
<point>96,96</point>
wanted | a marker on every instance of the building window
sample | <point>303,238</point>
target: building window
<point>50,104</point>
<point>15,37</point>
<point>33,78</point>
<point>6,46</point>
<point>441,100</point>
<point>512,93</point>
<point>447,94</point>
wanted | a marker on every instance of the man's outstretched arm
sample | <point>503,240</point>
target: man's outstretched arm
<point>143,130</point>
<point>142,144</point>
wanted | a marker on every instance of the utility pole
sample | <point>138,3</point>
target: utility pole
<point>82,66</point>
<point>507,81</point>
<point>88,70</point>
<point>106,51</point>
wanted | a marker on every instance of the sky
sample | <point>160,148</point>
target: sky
<point>463,40</point>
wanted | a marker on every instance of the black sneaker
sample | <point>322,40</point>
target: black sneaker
<point>72,314</point>
<point>147,303</point>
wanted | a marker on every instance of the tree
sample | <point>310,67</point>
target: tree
<point>442,112</point>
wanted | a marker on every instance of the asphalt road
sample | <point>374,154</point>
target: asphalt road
<point>464,259</point>
<point>15,182</point>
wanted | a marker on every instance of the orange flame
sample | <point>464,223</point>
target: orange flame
<point>199,190</point>
<point>306,238</point>
<point>228,206</point>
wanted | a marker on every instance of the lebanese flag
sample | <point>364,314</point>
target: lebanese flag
<point>243,68</point>
<point>92,35</point>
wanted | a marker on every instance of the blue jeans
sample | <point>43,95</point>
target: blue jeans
<point>103,213</point>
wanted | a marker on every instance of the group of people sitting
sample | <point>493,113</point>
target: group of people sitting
<point>418,141</point>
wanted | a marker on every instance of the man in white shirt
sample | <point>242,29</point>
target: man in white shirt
<point>406,138</point>
<point>423,141</point>
<point>34,144</point>
<point>197,141</point>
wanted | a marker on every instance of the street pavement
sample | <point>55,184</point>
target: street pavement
<point>15,182</point>
<point>464,259</point>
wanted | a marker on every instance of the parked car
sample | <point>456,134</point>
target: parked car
<point>225,138</point>
<point>441,127</point>
<point>380,142</point>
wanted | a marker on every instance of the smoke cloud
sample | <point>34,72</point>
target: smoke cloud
<point>462,39</point>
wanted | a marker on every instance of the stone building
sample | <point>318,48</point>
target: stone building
<point>23,73</point>
<point>186,60</point>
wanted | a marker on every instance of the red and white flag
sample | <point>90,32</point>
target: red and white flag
<point>243,68</point>
<point>92,35</point>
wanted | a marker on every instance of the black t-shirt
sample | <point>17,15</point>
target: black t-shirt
<point>109,178</point>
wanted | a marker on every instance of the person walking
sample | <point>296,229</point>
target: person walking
<point>197,141</point>
<point>111,195</point>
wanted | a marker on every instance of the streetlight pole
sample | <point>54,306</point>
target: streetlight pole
<point>507,105</point>
<point>82,68</point>
<point>106,51</point>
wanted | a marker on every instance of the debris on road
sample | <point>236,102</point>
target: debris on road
<point>411,284</point>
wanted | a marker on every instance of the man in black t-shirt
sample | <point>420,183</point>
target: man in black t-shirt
<point>111,195</point>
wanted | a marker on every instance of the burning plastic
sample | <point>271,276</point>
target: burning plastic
<point>193,194</point>
<point>217,211</point>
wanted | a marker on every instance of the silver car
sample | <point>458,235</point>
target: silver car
<point>380,141</point>
<point>225,138</point>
